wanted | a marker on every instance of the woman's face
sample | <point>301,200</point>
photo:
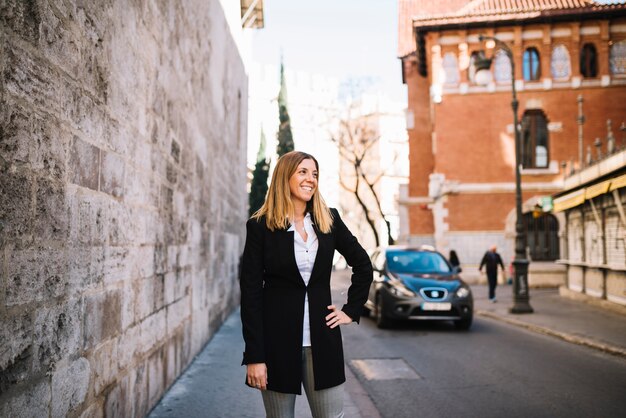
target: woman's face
<point>303,182</point>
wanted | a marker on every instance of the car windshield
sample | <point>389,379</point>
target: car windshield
<point>416,262</point>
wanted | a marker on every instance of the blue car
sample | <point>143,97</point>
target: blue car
<point>417,284</point>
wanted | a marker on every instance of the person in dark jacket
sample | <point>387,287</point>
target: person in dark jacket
<point>454,259</point>
<point>291,327</point>
<point>491,260</point>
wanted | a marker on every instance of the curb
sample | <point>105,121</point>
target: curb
<point>607,348</point>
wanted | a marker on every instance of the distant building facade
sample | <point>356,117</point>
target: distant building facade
<point>461,192</point>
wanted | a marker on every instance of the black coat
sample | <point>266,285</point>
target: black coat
<point>272,303</point>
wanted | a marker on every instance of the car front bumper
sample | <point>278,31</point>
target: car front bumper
<point>395,307</point>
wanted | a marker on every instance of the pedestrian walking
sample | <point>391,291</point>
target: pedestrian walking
<point>491,260</point>
<point>290,326</point>
<point>454,259</point>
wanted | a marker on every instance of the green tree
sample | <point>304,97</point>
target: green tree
<point>285,139</point>
<point>258,186</point>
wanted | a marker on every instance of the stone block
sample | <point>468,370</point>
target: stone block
<point>145,262</point>
<point>31,138</point>
<point>118,401</point>
<point>34,402</point>
<point>57,334</point>
<point>112,174</point>
<point>16,340</point>
<point>118,264</point>
<point>128,346</point>
<point>16,210</point>
<point>69,386</point>
<point>86,268</point>
<point>102,317</point>
<point>121,228</point>
<point>22,18</point>
<point>177,313</point>
<point>51,221</point>
<point>35,275</point>
<point>15,337</point>
<point>140,391</point>
<point>93,411</point>
<point>84,164</point>
<point>88,217</point>
<point>156,376</point>
<point>153,329</point>
<point>103,363</point>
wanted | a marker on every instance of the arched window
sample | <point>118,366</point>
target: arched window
<point>531,67</point>
<point>451,69</point>
<point>560,64</point>
<point>502,67</point>
<point>542,236</point>
<point>471,71</point>
<point>589,61</point>
<point>617,58</point>
<point>535,145</point>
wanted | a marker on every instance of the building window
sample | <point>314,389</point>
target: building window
<point>535,139</point>
<point>502,67</point>
<point>531,67</point>
<point>450,68</point>
<point>471,71</point>
<point>617,58</point>
<point>542,237</point>
<point>589,61</point>
<point>560,64</point>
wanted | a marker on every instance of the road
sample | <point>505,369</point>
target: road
<point>494,370</point>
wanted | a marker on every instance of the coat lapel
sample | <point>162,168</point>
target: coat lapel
<point>286,247</point>
<point>324,242</point>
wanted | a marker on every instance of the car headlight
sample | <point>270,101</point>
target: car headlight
<point>462,292</point>
<point>397,288</point>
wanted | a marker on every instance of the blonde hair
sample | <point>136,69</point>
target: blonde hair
<point>278,207</point>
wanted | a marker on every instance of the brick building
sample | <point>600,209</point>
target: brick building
<point>461,192</point>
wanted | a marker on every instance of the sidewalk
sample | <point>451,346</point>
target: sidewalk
<point>213,385</point>
<point>574,321</point>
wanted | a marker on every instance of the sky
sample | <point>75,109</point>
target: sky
<point>346,39</point>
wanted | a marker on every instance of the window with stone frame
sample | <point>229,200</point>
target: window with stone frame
<point>542,236</point>
<point>617,58</point>
<point>501,67</point>
<point>560,65</point>
<point>589,61</point>
<point>535,141</point>
<point>450,66</point>
<point>471,70</point>
<point>531,66</point>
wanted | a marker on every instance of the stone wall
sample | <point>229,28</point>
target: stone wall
<point>122,198</point>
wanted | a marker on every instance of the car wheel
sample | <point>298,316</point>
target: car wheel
<point>381,320</point>
<point>463,324</point>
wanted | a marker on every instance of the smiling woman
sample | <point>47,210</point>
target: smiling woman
<point>290,325</point>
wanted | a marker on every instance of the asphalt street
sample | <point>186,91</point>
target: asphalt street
<point>494,370</point>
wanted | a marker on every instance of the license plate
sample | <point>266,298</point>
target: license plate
<point>436,306</point>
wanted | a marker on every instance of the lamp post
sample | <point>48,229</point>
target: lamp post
<point>521,297</point>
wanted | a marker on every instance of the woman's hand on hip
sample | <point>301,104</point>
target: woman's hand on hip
<point>257,375</point>
<point>337,317</point>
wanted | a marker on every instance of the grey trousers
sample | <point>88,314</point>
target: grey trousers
<point>326,403</point>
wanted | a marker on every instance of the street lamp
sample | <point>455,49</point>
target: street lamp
<point>521,297</point>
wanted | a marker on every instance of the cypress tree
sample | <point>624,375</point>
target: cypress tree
<point>258,186</point>
<point>285,139</point>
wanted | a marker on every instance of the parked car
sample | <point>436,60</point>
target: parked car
<point>417,284</point>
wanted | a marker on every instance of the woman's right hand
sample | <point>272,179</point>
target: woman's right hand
<point>257,375</point>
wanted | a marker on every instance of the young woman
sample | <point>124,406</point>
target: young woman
<point>290,325</point>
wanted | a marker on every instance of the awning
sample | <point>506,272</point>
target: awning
<point>578,197</point>
<point>597,189</point>
<point>569,200</point>
<point>618,183</point>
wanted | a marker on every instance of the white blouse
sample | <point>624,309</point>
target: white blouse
<point>305,253</point>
